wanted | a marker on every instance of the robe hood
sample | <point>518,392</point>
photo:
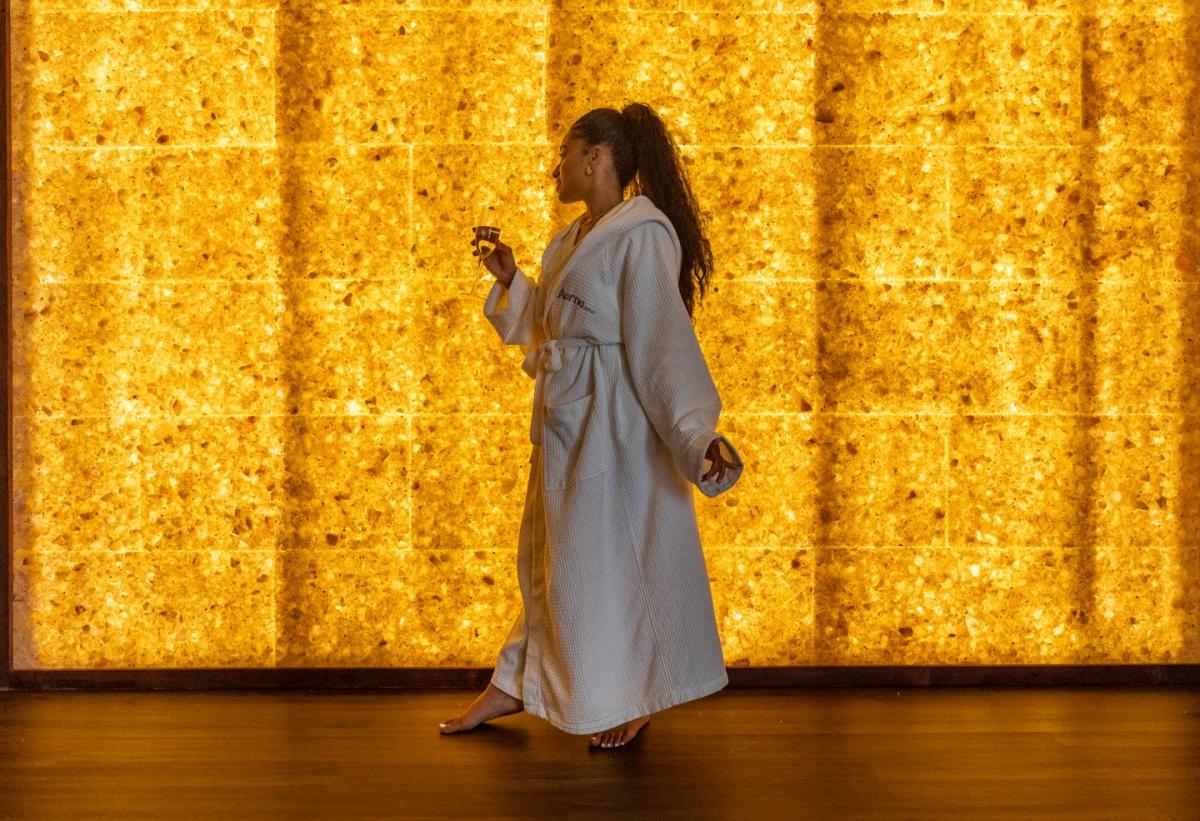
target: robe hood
<point>613,225</point>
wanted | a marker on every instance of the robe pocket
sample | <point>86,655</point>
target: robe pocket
<point>575,445</point>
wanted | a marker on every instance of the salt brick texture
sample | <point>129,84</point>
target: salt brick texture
<point>259,419</point>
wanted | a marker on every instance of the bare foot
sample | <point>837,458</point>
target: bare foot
<point>621,734</point>
<point>491,703</point>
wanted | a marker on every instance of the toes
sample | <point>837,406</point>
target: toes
<point>609,738</point>
<point>612,738</point>
<point>619,736</point>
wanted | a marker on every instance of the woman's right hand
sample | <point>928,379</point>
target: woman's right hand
<point>500,262</point>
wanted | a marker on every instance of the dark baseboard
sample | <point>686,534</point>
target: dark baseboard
<point>475,678</point>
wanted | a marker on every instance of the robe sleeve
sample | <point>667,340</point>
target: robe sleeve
<point>666,364</point>
<point>512,312</point>
<point>510,309</point>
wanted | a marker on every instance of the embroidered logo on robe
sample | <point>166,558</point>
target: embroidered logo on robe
<point>574,299</point>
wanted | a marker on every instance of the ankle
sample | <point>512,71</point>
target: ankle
<point>504,694</point>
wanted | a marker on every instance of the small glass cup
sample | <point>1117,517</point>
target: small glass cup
<point>487,232</point>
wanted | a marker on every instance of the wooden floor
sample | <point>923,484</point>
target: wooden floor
<point>917,753</point>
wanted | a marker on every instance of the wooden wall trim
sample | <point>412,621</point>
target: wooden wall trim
<point>454,678</point>
<point>6,564</point>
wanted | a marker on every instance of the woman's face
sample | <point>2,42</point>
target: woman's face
<point>570,176</point>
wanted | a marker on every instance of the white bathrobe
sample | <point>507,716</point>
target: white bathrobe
<point>617,618</point>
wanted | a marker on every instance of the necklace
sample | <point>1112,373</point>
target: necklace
<point>588,219</point>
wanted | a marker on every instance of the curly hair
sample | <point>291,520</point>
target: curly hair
<point>645,155</point>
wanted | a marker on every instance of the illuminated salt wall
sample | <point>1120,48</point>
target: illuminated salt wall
<point>259,422</point>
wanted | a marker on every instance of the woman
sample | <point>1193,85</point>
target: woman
<point>617,619</point>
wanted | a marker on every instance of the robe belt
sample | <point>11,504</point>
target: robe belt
<point>541,360</point>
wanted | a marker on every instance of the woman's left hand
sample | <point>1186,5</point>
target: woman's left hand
<point>719,465</point>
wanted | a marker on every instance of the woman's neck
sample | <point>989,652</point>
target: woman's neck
<point>599,209</point>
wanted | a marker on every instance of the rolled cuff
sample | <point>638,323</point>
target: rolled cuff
<point>508,318</point>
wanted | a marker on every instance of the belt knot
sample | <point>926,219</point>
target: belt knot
<point>544,359</point>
